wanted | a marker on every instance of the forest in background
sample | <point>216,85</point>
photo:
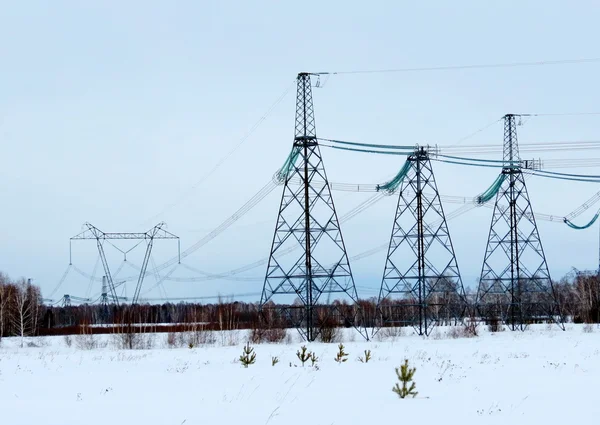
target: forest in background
<point>23,313</point>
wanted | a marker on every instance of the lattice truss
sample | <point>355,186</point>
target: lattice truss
<point>515,285</point>
<point>421,283</point>
<point>309,283</point>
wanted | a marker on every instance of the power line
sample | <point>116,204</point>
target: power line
<point>464,67</point>
<point>228,154</point>
<point>482,129</point>
<point>564,114</point>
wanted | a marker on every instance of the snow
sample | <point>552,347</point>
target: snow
<point>542,375</point>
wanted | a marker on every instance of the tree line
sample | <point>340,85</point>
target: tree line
<point>23,313</point>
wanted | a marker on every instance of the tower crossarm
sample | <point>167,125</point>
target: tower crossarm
<point>157,232</point>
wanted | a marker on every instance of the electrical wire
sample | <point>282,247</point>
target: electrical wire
<point>370,145</point>
<point>89,290</point>
<point>230,275</point>
<point>61,281</point>
<point>465,67</point>
<point>228,154</point>
<point>211,297</point>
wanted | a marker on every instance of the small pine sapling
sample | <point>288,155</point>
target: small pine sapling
<point>303,355</point>
<point>313,359</point>
<point>249,356</point>
<point>274,361</point>
<point>405,375</point>
<point>366,358</point>
<point>341,356</point>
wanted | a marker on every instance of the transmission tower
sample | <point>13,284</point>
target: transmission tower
<point>92,232</point>
<point>515,285</point>
<point>421,284</point>
<point>299,288</point>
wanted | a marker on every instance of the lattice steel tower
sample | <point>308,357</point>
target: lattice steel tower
<point>421,284</point>
<point>313,288</point>
<point>515,286</point>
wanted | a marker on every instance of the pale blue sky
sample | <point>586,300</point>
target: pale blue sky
<point>110,111</point>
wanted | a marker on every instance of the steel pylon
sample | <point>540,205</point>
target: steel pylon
<point>421,285</point>
<point>308,283</point>
<point>92,232</point>
<point>515,287</point>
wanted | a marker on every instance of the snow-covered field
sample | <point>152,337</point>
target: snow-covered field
<point>543,375</point>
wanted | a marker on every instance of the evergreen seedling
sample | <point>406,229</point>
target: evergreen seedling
<point>341,356</point>
<point>366,358</point>
<point>249,356</point>
<point>303,355</point>
<point>405,375</point>
<point>313,359</point>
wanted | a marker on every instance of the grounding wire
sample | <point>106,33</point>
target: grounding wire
<point>464,67</point>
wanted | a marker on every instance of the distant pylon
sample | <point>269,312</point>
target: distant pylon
<point>300,287</point>
<point>421,284</point>
<point>515,286</point>
<point>104,293</point>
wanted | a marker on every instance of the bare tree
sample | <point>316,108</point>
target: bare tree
<point>22,314</point>
<point>4,300</point>
<point>34,297</point>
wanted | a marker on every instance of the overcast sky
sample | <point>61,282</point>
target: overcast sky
<point>111,111</point>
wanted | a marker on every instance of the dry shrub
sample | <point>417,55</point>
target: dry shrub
<point>172,340</point>
<point>495,325</point>
<point>388,333</point>
<point>133,341</point>
<point>198,337</point>
<point>257,335</point>
<point>275,335</point>
<point>86,340</point>
<point>469,330</point>
<point>328,330</point>
<point>261,335</point>
<point>455,332</point>
<point>229,338</point>
<point>436,334</point>
<point>588,328</point>
<point>68,340</point>
<point>129,339</point>
<point>329,334</point>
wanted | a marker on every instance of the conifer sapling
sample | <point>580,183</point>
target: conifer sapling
<point>366,358</point>
<point>405,375</point>
<point>249,356</point>
<point>303,355</point>
<point>313,359</point>
<point>341,356</point>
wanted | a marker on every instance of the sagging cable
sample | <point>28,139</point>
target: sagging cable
<point>391,186</point>
<point>492,190</point>
<point>576,227</point>
<point>283,173</point>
